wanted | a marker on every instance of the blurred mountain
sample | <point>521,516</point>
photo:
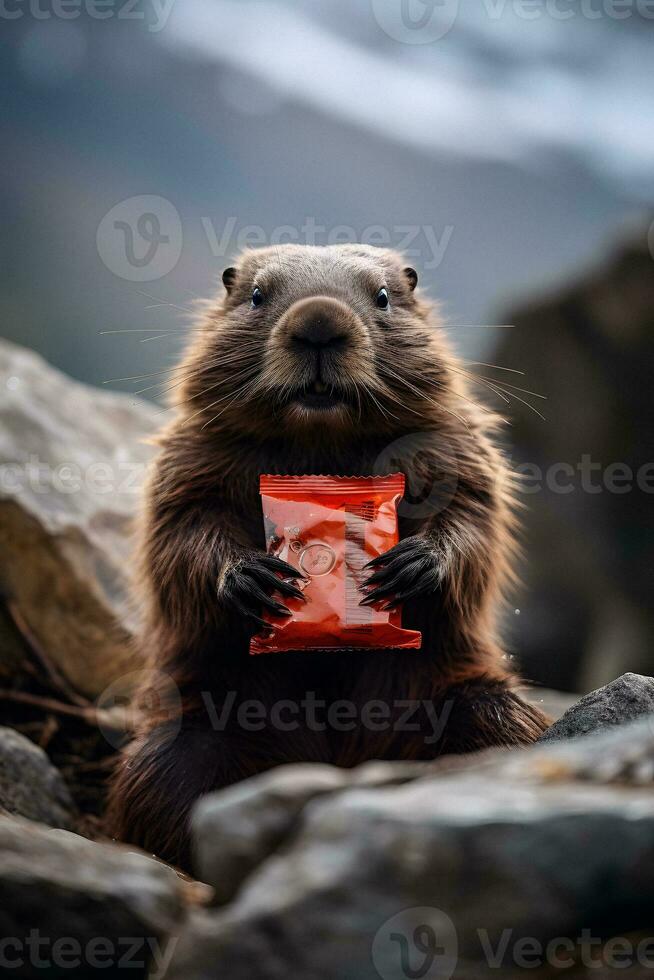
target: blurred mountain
<point>514,144</point>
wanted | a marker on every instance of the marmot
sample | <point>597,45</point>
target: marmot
<point>316,360</point>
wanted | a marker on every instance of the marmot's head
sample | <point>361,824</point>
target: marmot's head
<point>311,341</point>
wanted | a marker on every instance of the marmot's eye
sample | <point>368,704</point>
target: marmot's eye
<point>382,300</point>
<point>257,297</point>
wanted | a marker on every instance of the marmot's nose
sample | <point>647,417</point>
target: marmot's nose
<point>319,324</point>
<point>318,333</point>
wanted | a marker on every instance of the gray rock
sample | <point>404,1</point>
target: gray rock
<point>234,831</point>
<point>237,829</point>
<point>30,786</point>
<point>538,842</point>
<point>625,699</point>
<point>623,756</point>
<point>71,461</point>
<point>85,902</point>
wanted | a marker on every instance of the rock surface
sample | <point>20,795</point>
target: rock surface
<point>523,841</point>
<point>92,906</point>
<point>625,699</point>
<point>237,829</point>
<point>586,613</point>
<point>30,786</point>
<point>71,461</point>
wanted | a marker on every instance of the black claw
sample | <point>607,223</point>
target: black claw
<point>276,608</point>
<point>410,593</point>
<point>400,553</point>
<point>262,575</point>
<point>272,582</point>
<point>270,561</point>
<point>407,570</point>
<point>391,579</point>
<point>261,624</point>
<point>252,586</point>
<point>405,550</point>
<point>249,615</point>
<point>373,597</point>
<point>377,576</point>
<point>239,607</point>
<point>287,588</point>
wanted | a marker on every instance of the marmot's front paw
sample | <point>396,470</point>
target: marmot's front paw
<point>410,569</point>
<point>248,586</point>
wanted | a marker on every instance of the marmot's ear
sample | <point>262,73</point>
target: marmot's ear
<point>412,277</point>
<point>229,278</point>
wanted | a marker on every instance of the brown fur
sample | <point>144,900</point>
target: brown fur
<point>239,414</point>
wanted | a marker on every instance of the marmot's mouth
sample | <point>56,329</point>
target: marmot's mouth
<point>319,395</point>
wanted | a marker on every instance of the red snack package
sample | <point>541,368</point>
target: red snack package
<point>329,528</point>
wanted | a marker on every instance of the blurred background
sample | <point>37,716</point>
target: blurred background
<point>507,147</point>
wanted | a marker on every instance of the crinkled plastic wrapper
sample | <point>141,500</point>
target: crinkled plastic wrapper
<point>329,528</point>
